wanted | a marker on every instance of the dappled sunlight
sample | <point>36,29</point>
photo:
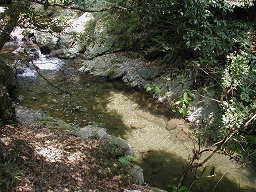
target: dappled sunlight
<point>51,153</point>
<point>57,160</point>
<point>2,9</point>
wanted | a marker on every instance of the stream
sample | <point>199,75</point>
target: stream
<point>161,139</point>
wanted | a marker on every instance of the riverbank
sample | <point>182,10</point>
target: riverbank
<point>46,155</point>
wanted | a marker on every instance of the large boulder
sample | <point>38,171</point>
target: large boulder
<point>203,108</point>
<point>46,41</point>
<point>117,65</point>
<point>91,131</point>
<point>111,33</point>
<point>70,42</point>
<point>106,66</point>
<point>103,41</point>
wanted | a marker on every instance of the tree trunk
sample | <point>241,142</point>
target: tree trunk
<point>10,20</point>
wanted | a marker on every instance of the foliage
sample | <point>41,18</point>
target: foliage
<point>182,103</point>
<point>10,174</point>
<point>239,83</point>
<point>126,160</point>
<point>175,188</point>
<point>41,19</point>
<point>153,88</point>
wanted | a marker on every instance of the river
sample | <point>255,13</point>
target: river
<point>161,139</point>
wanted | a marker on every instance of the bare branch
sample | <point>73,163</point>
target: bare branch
<point>248,122</point>
<point>219,181</point>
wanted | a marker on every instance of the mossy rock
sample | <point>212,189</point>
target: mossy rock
<point>7,89</point>
<point>110,33</point>
<point>7,77</point>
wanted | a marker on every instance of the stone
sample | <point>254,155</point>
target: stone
<point>137,174</point>
<point>46,41</point>
<point>105,66</point>
<point>205,108</point>
<point>150,74</point>
<point>91,131</point>
<point>120,143</point>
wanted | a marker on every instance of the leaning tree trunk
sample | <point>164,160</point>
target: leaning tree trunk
<point>9,19</point>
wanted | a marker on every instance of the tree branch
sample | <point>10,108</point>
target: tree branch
<point>249,121</point>
<point>83,9</point>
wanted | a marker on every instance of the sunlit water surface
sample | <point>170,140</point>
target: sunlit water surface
<point>81,99</point>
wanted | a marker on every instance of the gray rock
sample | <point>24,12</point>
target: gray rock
<point>90,131</point>
<point>150,74</point>
<point>106,66</point>
<point>120,143</point>
<point>137,174</point>
<point>46,41</point>
<point>203,108</point>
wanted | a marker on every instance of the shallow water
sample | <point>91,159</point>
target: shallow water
<point>79,99</point>
<point>150,128</point>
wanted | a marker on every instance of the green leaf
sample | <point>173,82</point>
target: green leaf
<point>66,3</point>
<point>185,95</point>
<point>46,5</point>
<point>183,188</point>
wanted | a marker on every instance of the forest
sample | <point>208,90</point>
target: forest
<point>213,42</point>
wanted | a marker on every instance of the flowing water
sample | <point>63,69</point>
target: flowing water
<point>160,140</point>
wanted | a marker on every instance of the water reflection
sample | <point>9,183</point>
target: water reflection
<point>79,100</point>
<point>82,100</point>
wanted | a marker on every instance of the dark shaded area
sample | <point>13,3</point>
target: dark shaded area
<point>7,91</point>
<point>245,13</point>
<point>5,2</point>
<point>10,20</point>
<point>161,167</point>
<point>45,50</point>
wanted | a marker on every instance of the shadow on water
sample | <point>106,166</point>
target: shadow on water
<point>85,105</point>
<point>146,102</point>
<point>160,167</point>
<point>87,102</point>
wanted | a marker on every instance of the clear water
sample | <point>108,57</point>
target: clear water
<point>81,99</point>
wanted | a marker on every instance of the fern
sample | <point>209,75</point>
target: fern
<point>126,160</point>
